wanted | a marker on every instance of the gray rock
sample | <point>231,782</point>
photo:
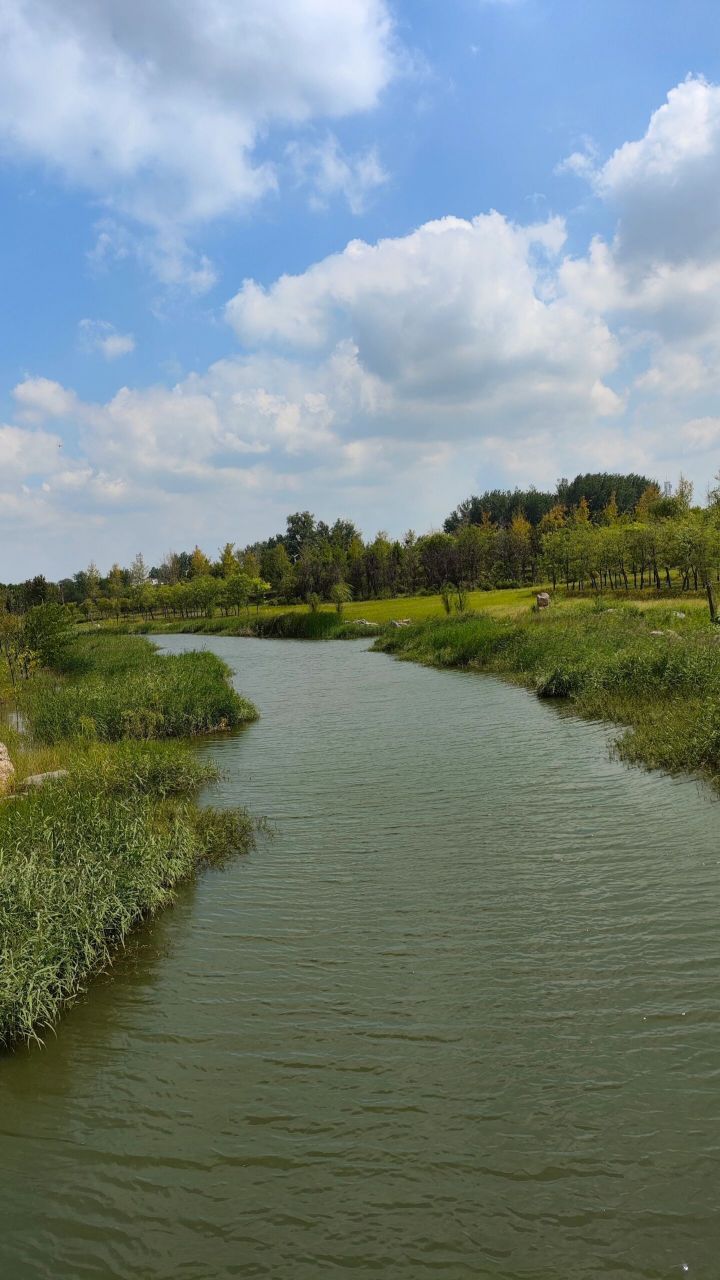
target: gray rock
<point>39,779</point>
<point>7,769</point>
<point>542,600</point>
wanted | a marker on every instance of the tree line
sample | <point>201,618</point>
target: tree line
<point>644,539</point>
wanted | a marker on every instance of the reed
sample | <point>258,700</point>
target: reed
<point>83,859</point>
<point>124,689</point>
<point>82,862</point>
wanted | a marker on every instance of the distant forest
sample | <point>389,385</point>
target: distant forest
<point>597,531</point>
<point>597,488</point>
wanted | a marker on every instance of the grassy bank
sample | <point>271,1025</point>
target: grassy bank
<point>274,620</point>
<point>120,687</point>
<point>648,669</point>
<point>84,859</point>
<point>377,612</point>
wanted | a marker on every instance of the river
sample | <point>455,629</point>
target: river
<point>458,1018</point>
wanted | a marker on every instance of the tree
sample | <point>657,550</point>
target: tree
<point>228,564</point>
<point>340,594</point>
<point>275,566</point>
<point>236,591</point>
<point>300,531</point>
<point>13,647</point>
<point>48,633</point>
<point>200,566</point>
<point>138,571</point>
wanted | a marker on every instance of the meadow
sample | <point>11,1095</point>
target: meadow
<point>85,858</point>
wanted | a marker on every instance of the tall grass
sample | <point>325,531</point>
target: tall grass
<point>308,625</point>
<point>82,862</point>
<point>125,689</point>
<point>652,670</point>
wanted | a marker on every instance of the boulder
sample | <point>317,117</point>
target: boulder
<point>678,613</point>
<point>39,779</point>
<point>542,600</point>
<point>7,769</point>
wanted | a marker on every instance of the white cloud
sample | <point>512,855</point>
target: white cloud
<point>41,398</point>
<point>394,377</point>
<point>666,185</point>
<point>100,335</point>
<point>25,453</point>
<point>159,108</point>
<point>326,169</point>
<point>404,357</point>
<point>463,316</point>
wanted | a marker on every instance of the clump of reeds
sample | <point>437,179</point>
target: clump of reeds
<point>82,861</point>
<point>125,689</point>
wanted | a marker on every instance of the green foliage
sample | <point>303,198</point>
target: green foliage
<point>80,864</point>
<point>48,633</point>
<point>310,625</point>
<point>340,594</point>
<point>649,669</point>
<point>127,690</point>
<point>84,858</point>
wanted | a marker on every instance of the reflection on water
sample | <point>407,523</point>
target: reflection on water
<point>458,1019</point>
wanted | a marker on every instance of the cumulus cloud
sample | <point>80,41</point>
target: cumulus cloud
<point>158,108</point>
<point>462,348</point>
<point>404,356</point>
<point>25,453</point>
<point>100,335</point>
<point>665,186</point>
<point>40,398</point>
<point>660,274</point>
<point>461,315</point>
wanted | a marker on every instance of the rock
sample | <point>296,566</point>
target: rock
<point>39,779</point>
<point>542,600</point>
<point>7,769</point>
<point>657,633</point>
<point>401,622</point>
<point>677,613</point>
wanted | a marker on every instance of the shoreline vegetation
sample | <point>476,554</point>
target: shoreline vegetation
<point>633,572</point>
<point>87,857</point>
<point>653,671</point>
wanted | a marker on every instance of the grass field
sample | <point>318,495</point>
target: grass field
<point>512,602</point>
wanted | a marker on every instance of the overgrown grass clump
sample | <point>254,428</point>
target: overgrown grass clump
<point>308,625</point>
<point>652,670</point>
<point>83,861</point>
<point>86,857</point>
<point>123,688</point>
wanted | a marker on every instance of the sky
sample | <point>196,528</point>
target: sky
<point>361,257</point>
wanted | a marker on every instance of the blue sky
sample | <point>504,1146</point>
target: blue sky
<point>155,159</point>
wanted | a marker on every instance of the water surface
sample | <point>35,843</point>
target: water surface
<point>458,1019</point>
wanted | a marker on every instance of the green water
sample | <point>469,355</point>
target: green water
<point>460,1018</point>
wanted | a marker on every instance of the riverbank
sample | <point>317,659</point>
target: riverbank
<point>655,671</point>
<point>85,857</point>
